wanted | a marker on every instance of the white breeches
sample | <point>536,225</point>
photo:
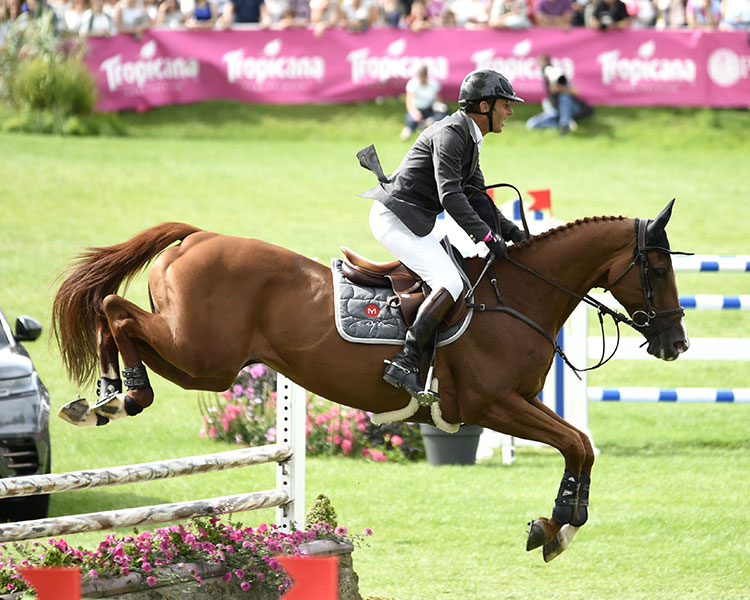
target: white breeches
<point>423,255</point>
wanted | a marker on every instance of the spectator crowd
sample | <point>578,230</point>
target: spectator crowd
<point>107,17</point>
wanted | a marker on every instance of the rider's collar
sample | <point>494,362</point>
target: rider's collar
<point>476,133</point>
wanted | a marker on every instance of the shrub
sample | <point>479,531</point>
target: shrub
<point>321,511</point>
<point>47,83</point>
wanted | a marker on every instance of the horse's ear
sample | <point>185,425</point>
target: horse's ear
<point>656,227</point>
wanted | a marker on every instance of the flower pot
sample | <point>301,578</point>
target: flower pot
<point>458,448</point>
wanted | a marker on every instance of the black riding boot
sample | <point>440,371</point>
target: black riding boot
<point>403,370</point>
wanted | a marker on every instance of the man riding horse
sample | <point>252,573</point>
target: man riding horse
<point>434,176</point>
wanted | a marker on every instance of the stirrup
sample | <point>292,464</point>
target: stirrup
<point>424,397</point>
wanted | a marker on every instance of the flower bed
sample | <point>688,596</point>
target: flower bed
<point>245,414</point>
<point>203,557</point>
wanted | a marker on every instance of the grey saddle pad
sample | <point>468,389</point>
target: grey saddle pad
<point>363,315</point>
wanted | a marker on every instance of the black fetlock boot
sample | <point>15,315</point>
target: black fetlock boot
<point>567,498</point>
<point>403,370</point>
<point>584,486</point>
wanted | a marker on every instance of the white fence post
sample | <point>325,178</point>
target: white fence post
<point>291,412</point>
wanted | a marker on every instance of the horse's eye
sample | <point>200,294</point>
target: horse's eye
<point>660,272</point>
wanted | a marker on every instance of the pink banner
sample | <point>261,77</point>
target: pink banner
<point>628,68</point>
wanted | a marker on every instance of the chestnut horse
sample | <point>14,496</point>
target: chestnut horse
<point>219,303</point>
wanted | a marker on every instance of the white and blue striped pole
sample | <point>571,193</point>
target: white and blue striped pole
<point>705,263</point>
<point>683,395</point>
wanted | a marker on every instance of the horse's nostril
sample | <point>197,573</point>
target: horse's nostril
<point>681,346</point>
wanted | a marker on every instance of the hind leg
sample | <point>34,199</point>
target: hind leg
<point>79,412</point>
<point>117,332</point>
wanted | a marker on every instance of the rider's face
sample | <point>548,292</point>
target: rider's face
<point>503,109</point>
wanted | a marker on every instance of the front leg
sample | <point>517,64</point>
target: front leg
<point>530,419</point>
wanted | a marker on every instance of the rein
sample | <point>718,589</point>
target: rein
<point>640,258</point>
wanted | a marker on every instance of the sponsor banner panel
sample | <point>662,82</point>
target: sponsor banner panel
<point>636,67</point>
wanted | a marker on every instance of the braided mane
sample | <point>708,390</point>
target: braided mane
<point>553,232</point>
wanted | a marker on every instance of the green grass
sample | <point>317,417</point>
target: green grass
<point>670,492</point>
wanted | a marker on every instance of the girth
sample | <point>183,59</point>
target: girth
<point>408,288</point>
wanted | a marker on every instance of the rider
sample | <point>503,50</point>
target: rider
<point>431,178</point>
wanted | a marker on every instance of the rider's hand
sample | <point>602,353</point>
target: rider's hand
<point>517,236</point>
<point>497,246</point>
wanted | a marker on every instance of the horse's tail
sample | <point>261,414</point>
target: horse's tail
<point>97,273</point>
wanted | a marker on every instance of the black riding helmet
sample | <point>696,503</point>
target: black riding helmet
<point>484,84</point>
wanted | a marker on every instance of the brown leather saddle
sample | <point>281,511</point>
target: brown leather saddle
<point>408,289</point>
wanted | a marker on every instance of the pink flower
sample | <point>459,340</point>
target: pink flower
<point>378,456</point>
<point>341,530</point>
<point>212,432</point>
<point>346,447</point>
<point>397,440</point>
<point>257,370</point>
<point>245,586</point>
<point>227,576</point>
<point>151,581</point>
<point>367,531</point>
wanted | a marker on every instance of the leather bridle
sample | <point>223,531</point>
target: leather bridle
<point>641,320</point>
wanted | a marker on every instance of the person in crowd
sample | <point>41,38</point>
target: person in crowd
<point>471,14</point>
<point>735,14</point>
<point>203,16</point>
<point>392,13</point>
<point>703,14</point>
<point>509,14</point>
<point>223,11</point>
<point>323,15</point>
<point>643,15</point>
<point>432,177</point>
<point>170,15</point>
<point>277,14</point>
<point>247,11</point>
<point>579,8</point>
<point>95,22</point>
<point>31,9</point>
<point>448,18</point>
<point>9,11</point>
<point>610,14</point>
<point>359,15</point>
<point>554,13</point>
<point>72,16</point>
<point>562,104</point>
<point>423,104</point>
<point>670,14</point>
<point>417,19</point>
<point>131,17</point>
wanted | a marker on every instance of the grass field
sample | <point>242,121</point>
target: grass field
<point>672,483</point>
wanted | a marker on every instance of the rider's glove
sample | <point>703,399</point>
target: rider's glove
<point>496,244</point>
<point>517,236</point>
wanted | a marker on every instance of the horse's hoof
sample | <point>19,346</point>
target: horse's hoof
<point>78,412</point>
<point>537,535</point>
<point>559,543</point>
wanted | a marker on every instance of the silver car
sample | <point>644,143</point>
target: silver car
<point>24,418</point>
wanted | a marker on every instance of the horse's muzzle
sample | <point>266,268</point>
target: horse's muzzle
<point>669,344</point>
